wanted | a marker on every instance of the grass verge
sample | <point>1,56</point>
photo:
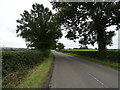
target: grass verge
<point>38,75</point>
<point>105,62</point>
<point>80,50</point>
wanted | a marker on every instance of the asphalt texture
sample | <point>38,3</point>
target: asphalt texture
<point>72,72</point>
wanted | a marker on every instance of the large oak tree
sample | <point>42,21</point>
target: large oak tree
<point>88,21</point>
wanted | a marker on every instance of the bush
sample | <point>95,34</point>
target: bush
<point>13,61</point>
<point>113,56</point>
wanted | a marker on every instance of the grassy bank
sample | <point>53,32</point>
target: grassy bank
<point>17,63</point>
<point>105,62</point>
<point>38,75</point>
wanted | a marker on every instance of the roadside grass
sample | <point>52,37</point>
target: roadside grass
<point>103,62</point>
<point>16,63</point>
<point>38,75</point>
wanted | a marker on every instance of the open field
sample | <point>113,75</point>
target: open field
<point>80,50</point>
<point>117,50</point>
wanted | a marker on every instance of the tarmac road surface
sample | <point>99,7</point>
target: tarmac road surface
<point>73,72</point>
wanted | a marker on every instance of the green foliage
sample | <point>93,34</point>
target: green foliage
<point>60,46</point>
<point>87,21</point>
<point>54,45</point>
<point>17,60</point>
<point>38,75</point>
<point>45,53</point>
<point>112,56</point>
<point>38,27</point>
<point>83,47</point>
<point>14,63</point>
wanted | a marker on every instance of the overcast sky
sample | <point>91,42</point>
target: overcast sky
<point>10,11</point>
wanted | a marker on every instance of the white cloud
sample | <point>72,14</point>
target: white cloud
<point>10,12</point>
<point>69,43</point>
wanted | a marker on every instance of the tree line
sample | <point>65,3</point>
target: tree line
<point>86,21</point>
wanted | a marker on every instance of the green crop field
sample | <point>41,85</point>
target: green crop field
<point>89,50</point>
<point>80,50</point>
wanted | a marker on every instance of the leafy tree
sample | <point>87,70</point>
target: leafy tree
<point>83,47</point>
<point>88,21</point>
<point>60,46</point>
<point>38,27</point>
<point>54,46</point>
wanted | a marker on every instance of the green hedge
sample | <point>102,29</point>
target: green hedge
<point>113,56</point>
<point>13,61</point>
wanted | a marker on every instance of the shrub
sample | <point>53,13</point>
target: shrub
<point>13,61</point>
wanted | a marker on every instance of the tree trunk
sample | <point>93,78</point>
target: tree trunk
<point>100,29</point>
<point>101,43</point>
<point>101,40</point>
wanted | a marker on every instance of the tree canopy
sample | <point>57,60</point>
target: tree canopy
<point>38,27</point>
<point>88,21</point>
<point>60,46</point>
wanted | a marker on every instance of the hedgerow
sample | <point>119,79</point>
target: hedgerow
<point>15,62</point>
<point>112,56</point>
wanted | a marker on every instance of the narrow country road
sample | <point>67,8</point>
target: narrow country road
<point>72,72</point>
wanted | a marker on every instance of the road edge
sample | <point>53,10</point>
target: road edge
<point>47,83</point>
<point>90,59</point>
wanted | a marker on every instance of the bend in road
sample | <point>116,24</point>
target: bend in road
<point>73,72</point>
